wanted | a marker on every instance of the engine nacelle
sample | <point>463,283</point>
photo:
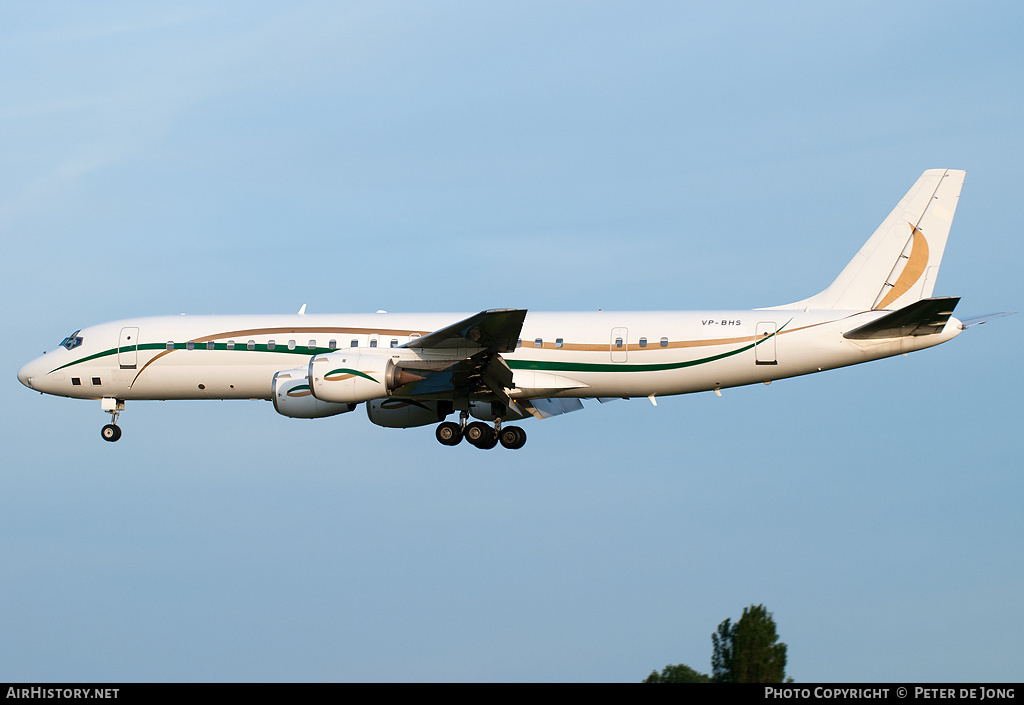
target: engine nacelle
<point>350,376</point>
<point>407,413</point>
<point>293,397</point>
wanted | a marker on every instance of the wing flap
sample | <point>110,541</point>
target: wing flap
<point>529,383</point>
<point>546,408</point>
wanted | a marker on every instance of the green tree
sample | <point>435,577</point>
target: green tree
<point>679,673</point>
<point>748,651</point>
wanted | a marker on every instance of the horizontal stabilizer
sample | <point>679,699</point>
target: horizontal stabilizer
<point>924,317</point>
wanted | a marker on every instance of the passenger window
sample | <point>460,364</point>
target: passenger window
<point>519,343</point>
<point>251,345</point>
<point>312,345</point>
<point>333,344</point>
<point>76,381</point>
<point>394,342</point>
<point>291,344</point>
<point>271,345</point>
<point>96,381</point>
<point>353,343</point>
<point>170,345</point>
<point>618,342</point>
<point>210,345</point>
<point>190,345</point>
<point>558,342</point>
<point>643,342</point>
<point>538,343</point>
<point>664,342</point>
<point>373,343</point>
<point>230,345</point>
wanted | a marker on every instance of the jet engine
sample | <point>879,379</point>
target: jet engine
<point>292,397</point>
<point>347,376</point>
<point>406,413</point>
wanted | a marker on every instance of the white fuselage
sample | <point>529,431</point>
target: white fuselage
<point>417,369</point>
<point>613,354</point>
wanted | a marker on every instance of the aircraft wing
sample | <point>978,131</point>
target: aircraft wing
<point>466,362</point>
<point>466,358</point>
<point>495,331</point>
<point>924,317</point>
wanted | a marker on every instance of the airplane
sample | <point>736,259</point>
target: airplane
<point>503,365</point>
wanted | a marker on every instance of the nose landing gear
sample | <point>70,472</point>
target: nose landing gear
<point>111,432</point>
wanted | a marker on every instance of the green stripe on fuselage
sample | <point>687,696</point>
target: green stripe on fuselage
<point>625,367</point>
<point>512,363</point>
<point>238,347</point>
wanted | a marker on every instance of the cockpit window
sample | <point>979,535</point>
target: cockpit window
<point>72,341</point>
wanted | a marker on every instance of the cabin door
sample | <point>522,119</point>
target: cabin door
<point>619,345</point>
<point>764,343</point>
<point>128,349</point>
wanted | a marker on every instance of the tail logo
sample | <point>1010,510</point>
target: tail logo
<point>915,267</point>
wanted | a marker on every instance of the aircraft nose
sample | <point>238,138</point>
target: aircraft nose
<point>28,372</point>
<point>24,378</point>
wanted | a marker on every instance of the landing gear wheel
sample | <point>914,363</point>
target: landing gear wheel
<point>481,435</point>
<point>512,437</point>
<point>449,434</point>
<point>488,441</point>
<point>476,431</point>
<point>110,432</point>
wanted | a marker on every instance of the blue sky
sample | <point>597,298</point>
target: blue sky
<point>249,158</point>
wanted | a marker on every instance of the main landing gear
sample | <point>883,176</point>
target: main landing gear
<point>480,434</point>
<point>111,432</point>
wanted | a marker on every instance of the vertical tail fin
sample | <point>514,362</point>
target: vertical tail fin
<point>899,264</point>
